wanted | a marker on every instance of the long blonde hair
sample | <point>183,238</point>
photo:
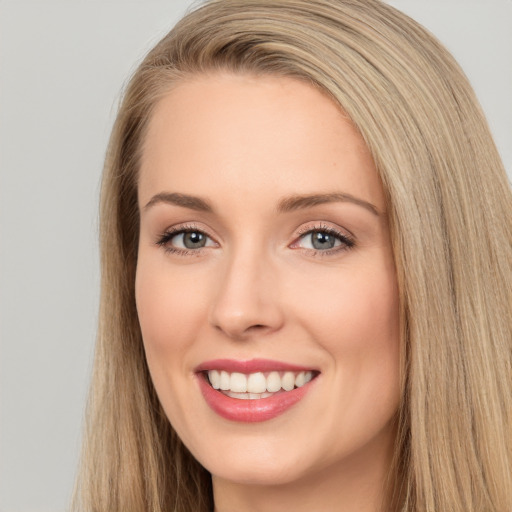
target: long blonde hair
<point>449,212</point>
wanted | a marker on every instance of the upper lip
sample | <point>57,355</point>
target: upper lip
<point>250,366</point>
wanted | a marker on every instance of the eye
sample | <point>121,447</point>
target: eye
<point>324,239</point>
<point>320,241</point>
<point>189,240</point>
<point>185,240</point>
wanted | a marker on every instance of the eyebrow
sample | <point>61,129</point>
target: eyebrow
<point>183,200</point>
<point>299,202</point>
<point>288,204</point>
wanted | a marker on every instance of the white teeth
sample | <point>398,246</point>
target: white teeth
<point>256,385</point>
<point>288,381</point>
<point>240,396</point>
<point>238,382</point>
<point>214,377</point>
<point>273,382</point>
<point>247,396</point>
<point>224,380</point>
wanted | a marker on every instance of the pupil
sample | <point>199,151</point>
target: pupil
<point>193,240</point>
<point>322,240</point>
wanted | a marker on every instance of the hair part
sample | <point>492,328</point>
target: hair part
<point>449,213</point>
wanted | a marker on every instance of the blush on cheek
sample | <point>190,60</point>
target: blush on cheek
<point>359,321</point>
<point>159,307</point>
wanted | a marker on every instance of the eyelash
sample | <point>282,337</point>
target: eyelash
<point>347,242</point>
<point>170,233</point>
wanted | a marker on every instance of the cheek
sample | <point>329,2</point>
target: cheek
<point>355,318</point>
<point>169,313</point>
<point>161,299</point>
<point>351,309</point>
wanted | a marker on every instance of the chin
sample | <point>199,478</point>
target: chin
<point>262,474</point>
<point>252,461</point>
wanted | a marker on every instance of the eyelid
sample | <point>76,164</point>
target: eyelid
<point>324,226</point>
<point>348,240</point>
<point>169,233</point>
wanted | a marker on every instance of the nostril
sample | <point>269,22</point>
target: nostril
<point>257,327</point>
<point>240,332</point>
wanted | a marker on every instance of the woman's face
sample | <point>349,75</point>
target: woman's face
<point>265,265</point>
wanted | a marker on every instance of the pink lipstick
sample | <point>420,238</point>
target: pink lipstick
<point>254,390</point>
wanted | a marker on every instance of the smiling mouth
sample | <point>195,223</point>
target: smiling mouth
<point>258,385</point>
<point>254,390</point>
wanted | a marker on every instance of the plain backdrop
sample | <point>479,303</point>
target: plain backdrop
<point>62,66</point>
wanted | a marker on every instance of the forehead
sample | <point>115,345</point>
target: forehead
<point>253,136</point>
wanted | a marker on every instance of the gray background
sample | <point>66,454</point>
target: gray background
<point>62,65</point>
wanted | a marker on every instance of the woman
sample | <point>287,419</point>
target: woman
<point>306,273</point>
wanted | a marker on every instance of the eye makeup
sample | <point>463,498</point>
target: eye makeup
<point>189,234</point>
<point>332,240</point>
<point>315,240</point>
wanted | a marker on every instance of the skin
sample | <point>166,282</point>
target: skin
<point>259,289</point>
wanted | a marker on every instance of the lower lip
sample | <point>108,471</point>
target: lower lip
<point>250,411</point>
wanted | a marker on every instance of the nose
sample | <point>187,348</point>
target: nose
<point>247,302</point>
